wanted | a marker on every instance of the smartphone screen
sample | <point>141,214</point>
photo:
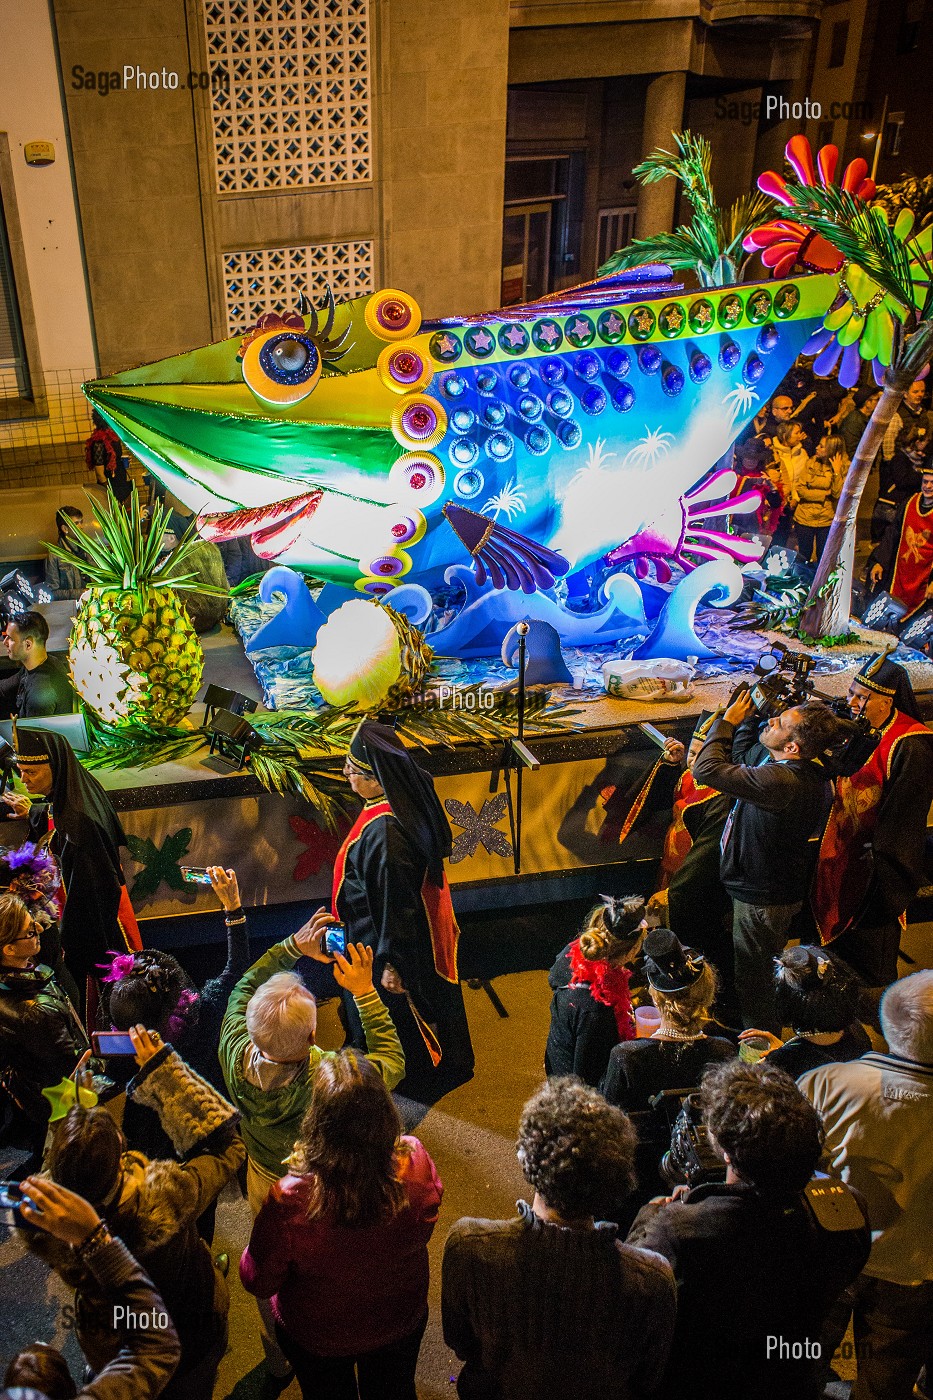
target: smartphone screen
<point>195,874</point>
<point>112,1043</point>
<point>335,940</point>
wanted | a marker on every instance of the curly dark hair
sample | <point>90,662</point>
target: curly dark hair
<point>157,993</point>
<point>814,991</point>
<point>575,1149</point>
<point>816,728</point>
<point>768,1129</point>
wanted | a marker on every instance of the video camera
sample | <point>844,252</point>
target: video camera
<point>786,680</point>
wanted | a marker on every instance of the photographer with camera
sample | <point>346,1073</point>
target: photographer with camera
<point>771,1248</point>
<point>871,862</point>
<point>781,802</point>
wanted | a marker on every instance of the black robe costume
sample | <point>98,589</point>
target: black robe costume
<point>98,916</point>
<point>892,851</point>
<point>388,876</point>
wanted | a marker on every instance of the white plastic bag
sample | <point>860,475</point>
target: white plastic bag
<point>649,681</point>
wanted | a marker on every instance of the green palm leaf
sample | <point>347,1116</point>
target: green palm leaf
<point>862,235</point>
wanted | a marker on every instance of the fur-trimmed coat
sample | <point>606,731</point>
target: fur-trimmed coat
<point>156,1211</point>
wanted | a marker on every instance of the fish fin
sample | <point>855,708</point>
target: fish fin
<point>503,553</point>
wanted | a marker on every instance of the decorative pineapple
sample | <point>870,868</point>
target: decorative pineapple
<point>134,655</point>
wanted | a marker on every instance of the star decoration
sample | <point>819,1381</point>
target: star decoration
<point>322,848</point>
<point>479,828</point>
<point>65,1096</point>
<point>675,318</point>
<point>482,340</point>
<point>447,345</point>
<point>613,323</point>
<point>159,862</point>
<point>643,321</point>
<point>703,315</point>
<point>515,336</point>
<point>580,328</point>
<point>548,332</point>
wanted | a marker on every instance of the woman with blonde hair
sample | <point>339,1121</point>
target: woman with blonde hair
<point>591,1010</point>
<point>682,984</point>
<point>341,1244</point>
<point>815,494</point>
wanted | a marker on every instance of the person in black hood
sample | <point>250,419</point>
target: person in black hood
<point>98,916</point>
<point>391,892</point>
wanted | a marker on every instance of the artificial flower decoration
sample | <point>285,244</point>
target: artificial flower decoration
<point>860,323</point>
<point>785,245</point>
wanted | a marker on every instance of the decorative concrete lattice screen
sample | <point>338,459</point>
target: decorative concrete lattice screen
<point>290,97</point>
<point>271,279</point>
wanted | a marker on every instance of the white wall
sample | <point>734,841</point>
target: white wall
<point>31,110</point>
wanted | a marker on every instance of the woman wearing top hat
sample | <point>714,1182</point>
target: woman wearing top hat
<point>391,892</point>
<point>682,985</point>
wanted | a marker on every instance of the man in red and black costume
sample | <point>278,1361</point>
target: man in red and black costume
<point>904,558</point>
<point>872,853</point>
<point>391,892</point>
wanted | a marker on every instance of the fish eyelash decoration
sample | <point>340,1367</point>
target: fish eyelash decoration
<point>282,358</point>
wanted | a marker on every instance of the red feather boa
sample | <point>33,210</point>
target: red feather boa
<point>608,985</point>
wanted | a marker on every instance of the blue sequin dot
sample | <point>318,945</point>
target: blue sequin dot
<point>560,403</point>
<point>499,446</point>
<point>537,440</point>
<point>463,452</point>
<point>593,399</point>
<point>468,483</point>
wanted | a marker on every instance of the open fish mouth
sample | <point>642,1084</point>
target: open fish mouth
<point>271,528</point>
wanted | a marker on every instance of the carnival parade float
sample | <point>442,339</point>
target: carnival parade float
<point>430,492</point>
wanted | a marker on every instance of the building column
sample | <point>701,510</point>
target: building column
<point>664,114</point>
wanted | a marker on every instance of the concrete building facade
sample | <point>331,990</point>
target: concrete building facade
<point>215,157</point>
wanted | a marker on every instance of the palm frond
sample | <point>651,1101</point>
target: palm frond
<point>740,219</point>
<point>861,234</point>
<point>690,164</point>
<point>681,250</point>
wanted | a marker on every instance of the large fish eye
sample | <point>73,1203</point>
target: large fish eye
<point>282,367</point>
<point>288,359</point>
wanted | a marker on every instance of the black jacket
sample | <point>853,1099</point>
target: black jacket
<point>748,1266</point>
<point>45,690</point>
<point>766,858</point>
<point>41,1037</point>
<point>583,1030</point>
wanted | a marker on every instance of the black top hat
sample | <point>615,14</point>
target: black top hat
<point>669,966</point>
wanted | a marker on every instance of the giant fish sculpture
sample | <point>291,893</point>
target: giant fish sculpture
<point>550,440</point>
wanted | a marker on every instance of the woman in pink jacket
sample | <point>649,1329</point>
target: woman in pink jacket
<point>341,1245</point>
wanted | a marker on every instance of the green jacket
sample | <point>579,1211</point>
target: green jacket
<point>271,1119</point>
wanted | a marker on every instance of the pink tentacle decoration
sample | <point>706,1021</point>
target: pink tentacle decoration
<point>800,157</point>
